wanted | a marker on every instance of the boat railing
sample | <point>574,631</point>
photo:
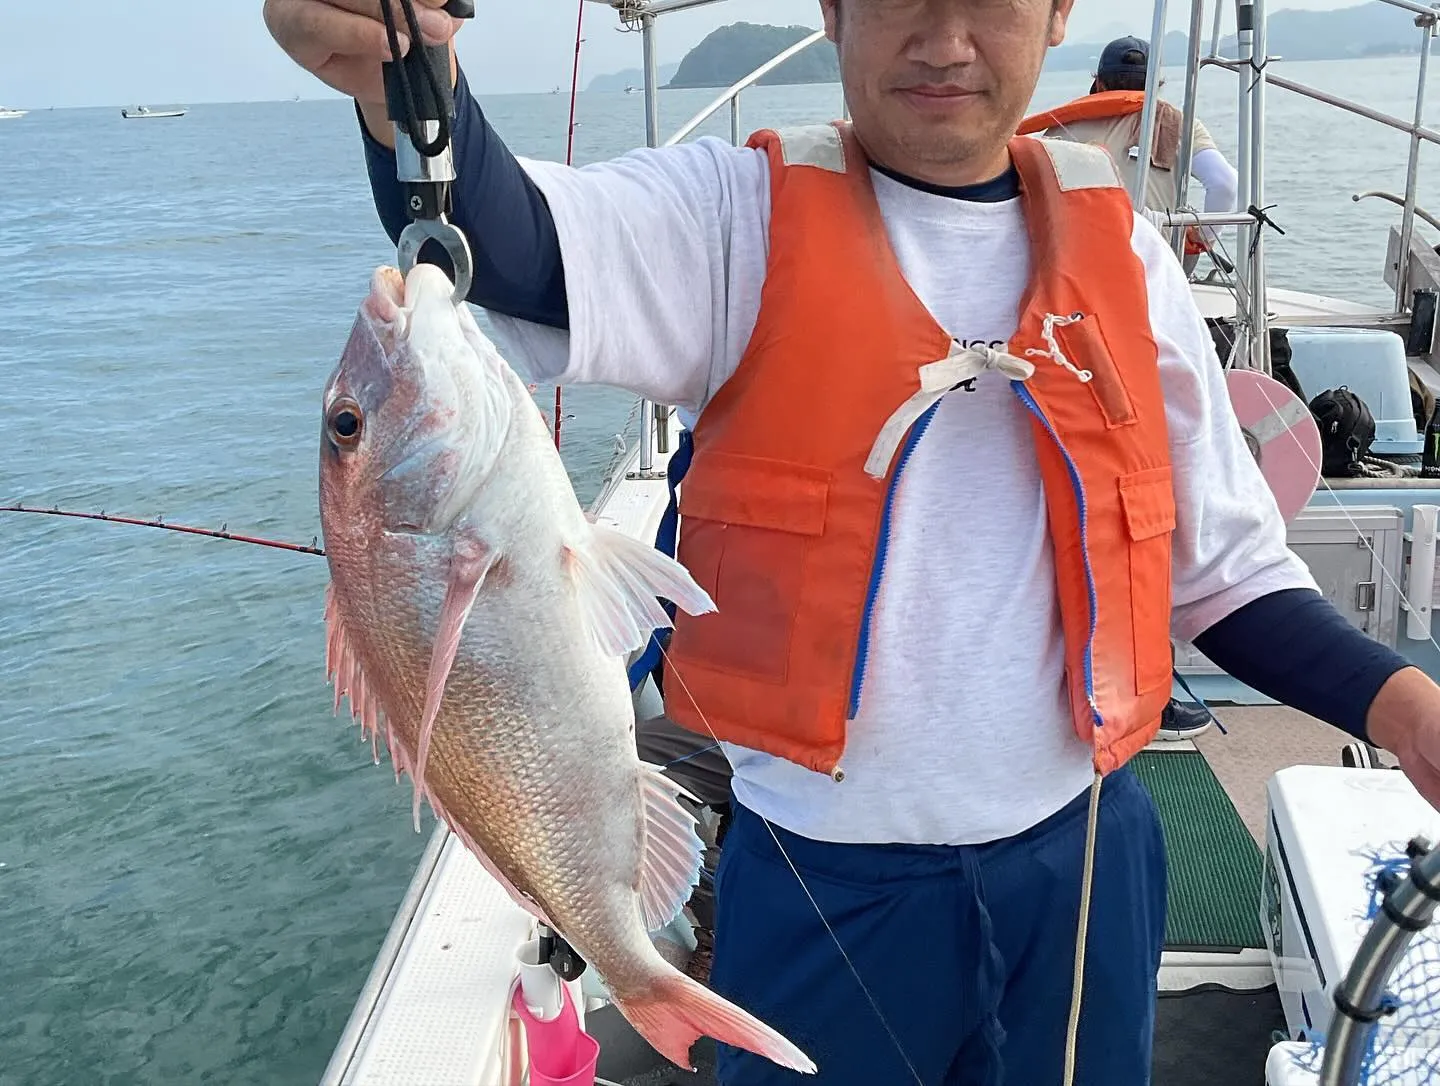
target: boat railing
<point>362,1017</point>
<point>1399,201</point>
<point>731,96</point>
<point>1252,66</point>
<point>1416,129</point>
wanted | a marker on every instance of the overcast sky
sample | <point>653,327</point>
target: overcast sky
<point>104,52</point>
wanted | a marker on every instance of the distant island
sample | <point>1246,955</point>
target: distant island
<point>630,77</point>
<point>732,52</point>
<point>1372,29</point>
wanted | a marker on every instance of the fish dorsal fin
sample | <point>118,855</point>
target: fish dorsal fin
<point>619,578</point>
<point>670,870</point>
<point>342,668</point>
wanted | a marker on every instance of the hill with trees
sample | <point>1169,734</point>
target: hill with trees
<point>730,53</point>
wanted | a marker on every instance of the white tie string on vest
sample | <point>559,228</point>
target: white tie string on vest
<point>936,379</point>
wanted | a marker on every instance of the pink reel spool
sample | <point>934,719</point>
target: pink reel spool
<point>1282,434</point>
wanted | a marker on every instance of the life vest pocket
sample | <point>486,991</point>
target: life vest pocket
<point>1147,501</point>
<point>745,532</point>
<point>1084,345</point>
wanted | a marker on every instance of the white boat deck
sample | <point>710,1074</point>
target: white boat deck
<point>1288,307</point>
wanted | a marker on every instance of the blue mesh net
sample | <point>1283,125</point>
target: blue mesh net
<point>1404,1046</point>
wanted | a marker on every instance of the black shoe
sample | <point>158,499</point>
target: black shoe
<point>1180,721</point>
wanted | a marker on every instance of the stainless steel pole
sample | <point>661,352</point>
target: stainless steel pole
<point>1187,127</point>
<point>1245,45</point>
<point>1259,314</point>
<point>1412,170</point>
<point>652,139</point>
<point>1147,115</point>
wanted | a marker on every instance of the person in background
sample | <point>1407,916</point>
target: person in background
<point>1109,116</point>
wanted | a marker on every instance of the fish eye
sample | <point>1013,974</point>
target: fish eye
<point>344,422</point>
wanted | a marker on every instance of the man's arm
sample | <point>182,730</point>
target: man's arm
<point>1219,179</point>
<point>1296,647</point>
<point>639,272</point>
<point>1240,594</point>
<point>518,265</point>
<point>1222,183</point>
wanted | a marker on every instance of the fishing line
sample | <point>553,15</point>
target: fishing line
<point>875,1005</point>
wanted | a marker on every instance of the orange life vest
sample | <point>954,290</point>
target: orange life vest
<point>784,527</point>
<point>1101,106</point>
<point>1108,105</point>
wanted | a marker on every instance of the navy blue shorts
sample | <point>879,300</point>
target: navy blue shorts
<point>966,953</point>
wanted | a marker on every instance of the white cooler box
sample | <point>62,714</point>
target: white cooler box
<point>1326,827</point>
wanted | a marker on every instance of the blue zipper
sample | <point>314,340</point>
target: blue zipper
<point>1029,401</point>
<point>882,549</point>
<point>862,653</point>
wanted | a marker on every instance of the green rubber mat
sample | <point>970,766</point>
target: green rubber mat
<point>1215,865</point>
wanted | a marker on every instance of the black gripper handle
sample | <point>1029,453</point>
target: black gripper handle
<point>417,65</point>
<point>427,107</point>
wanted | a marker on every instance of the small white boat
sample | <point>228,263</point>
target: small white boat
<point>11,114</point>
<point>145,113</point>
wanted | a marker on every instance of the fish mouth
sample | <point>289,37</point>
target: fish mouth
<point>445,415</point>
<point>394,298</point>
<point>387,291</point>
<point>384,309</point>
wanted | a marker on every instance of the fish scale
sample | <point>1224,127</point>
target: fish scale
<point>479,620</point>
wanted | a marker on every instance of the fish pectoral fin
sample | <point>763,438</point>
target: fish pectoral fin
<point>469,563</point>
<point>619,578</point>
<point>670,870</point>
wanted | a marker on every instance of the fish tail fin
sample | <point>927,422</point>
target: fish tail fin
<point>679,1011</point>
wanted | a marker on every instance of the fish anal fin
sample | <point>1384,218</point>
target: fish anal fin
<point>670,868</point>
<point>470,561</point>
<point>619,579</point>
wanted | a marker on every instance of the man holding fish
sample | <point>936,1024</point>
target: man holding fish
<point>963,461</point>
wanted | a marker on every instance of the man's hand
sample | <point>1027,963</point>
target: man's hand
<point>1404,718</point>
<point>343,42</point>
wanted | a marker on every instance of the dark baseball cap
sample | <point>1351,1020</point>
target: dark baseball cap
<point>1124,56</point>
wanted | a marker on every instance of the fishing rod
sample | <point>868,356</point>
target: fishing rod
<point>159,522</point>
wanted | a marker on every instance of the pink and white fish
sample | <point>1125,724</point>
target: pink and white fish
<point>481,622</point>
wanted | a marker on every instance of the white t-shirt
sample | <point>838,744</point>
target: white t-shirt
<point>963,733</point>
